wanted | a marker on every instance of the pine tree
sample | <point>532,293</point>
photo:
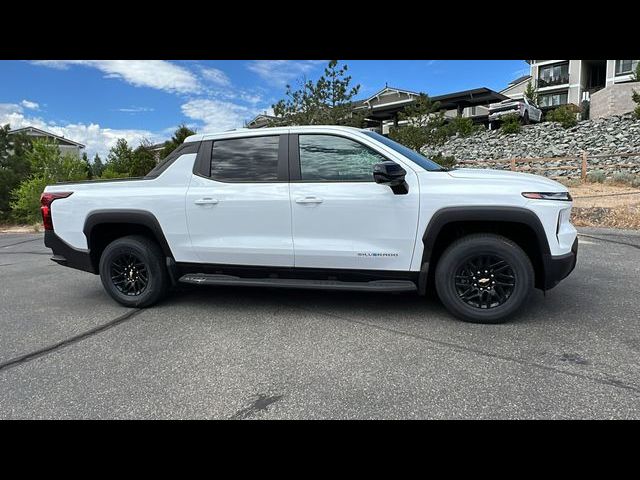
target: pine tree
<point>176,140</point>
<point>98,167</point>
<point>87,165</point>
<point>328,101</point>
<point>426,124</point>
<point>531,93</point>
<point>119,160</point>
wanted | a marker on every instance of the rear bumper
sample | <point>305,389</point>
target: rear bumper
<point>66,255</point>
<point>504,113</point>
<point>559,267</point>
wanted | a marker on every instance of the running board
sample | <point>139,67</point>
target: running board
<point>374,286</point>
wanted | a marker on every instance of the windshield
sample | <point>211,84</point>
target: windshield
<point>412,155</point>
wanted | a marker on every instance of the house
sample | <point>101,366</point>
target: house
<point>260,121</point>
<point>65,145</point>
<point>384,106</point>
<point>516,88</point>
<point>606,84</point>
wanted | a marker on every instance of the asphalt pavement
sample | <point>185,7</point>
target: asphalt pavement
<point>68,351</point>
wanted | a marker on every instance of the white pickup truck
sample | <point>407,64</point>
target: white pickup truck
<point>524,108</point>
<point>317,207</point>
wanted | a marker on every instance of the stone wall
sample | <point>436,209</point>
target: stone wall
<point>616,134</point>
<point>613,100</point>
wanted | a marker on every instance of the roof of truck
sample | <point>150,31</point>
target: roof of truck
<point>271,130</point>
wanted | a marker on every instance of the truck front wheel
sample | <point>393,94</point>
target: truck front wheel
<point>133,272</point>
<point>484,278</point>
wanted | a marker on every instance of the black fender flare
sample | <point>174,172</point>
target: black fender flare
<point>487,213</point>
<point>131,216</point>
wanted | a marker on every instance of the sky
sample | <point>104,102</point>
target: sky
<point>95,102</point>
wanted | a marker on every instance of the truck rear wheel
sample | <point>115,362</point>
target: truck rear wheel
<point>132,271</point>
<point>484,278</point>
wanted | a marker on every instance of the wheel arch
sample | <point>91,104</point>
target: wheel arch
<point>450,223</point>
<point>101,227</point>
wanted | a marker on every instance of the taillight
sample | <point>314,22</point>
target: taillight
<point>46,199</point>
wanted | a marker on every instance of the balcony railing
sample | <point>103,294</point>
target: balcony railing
<point>550,82</point>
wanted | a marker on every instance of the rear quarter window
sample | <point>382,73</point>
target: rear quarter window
<point>253,159</point>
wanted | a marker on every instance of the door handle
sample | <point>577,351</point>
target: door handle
<point>309,200</point>
<point>206,201</point>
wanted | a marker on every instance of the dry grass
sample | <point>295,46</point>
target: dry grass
<point>605,205</point>
<point>35,228</point>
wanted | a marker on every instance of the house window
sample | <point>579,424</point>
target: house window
<point>557,74</point>
<point>553,99</point>
<point>625,67</point>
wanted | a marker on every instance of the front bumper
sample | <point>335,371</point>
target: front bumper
<point>66,255</point>
<point>559,267</point>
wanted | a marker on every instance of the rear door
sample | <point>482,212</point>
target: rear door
<point>237,205</point>
<point>342,219</point>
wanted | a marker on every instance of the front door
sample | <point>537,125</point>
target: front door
<point>238,212</point>
<point>342,219</point>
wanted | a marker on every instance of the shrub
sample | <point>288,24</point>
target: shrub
<point>636,98</point>
<point>48,166</point>
<point>510,124</point>
<point>565,115</point>
<point>410,136</point>
<point>623,177</point>
<point>26,204</point>
<point>444,161</point>
<point>636,182</point>
<point>463,126</point>
<point>596,176</point>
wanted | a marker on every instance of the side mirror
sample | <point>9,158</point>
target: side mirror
<point>391,174</point>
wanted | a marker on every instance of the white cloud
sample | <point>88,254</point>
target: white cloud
<point>218,115</point>
<point>215,76</point>
<point>134,109</point>
<point>158,74</point>
<point>30,105</point>
<point>279,73</point>
<point>95,138</point>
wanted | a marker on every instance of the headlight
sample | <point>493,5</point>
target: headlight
<point>564,196</point>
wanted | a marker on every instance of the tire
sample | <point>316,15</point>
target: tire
<point>461,290</point>
<point>525,118</point>
<point>148,260</point>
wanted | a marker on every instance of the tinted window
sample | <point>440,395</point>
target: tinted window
<point>412,155</point>
<point>330,158</point>
<point>245,159</point>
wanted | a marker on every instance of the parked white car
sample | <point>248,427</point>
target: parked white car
<point>525,109</point>
<point>317,207</point>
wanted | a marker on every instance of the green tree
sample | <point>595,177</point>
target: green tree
<point>14,166</point>
<point>48,166</point>
<point>425,124</point>
<point>327,101</point>
<point>176,140</point>
<point>531,93</point>
<point>119,161</point>
<point>97,167</point>
<point>87,165</point>
<point>143,160</point>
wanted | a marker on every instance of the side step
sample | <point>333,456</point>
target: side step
<point>374,286</point>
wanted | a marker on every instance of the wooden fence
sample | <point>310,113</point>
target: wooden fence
<point>579,162</point>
